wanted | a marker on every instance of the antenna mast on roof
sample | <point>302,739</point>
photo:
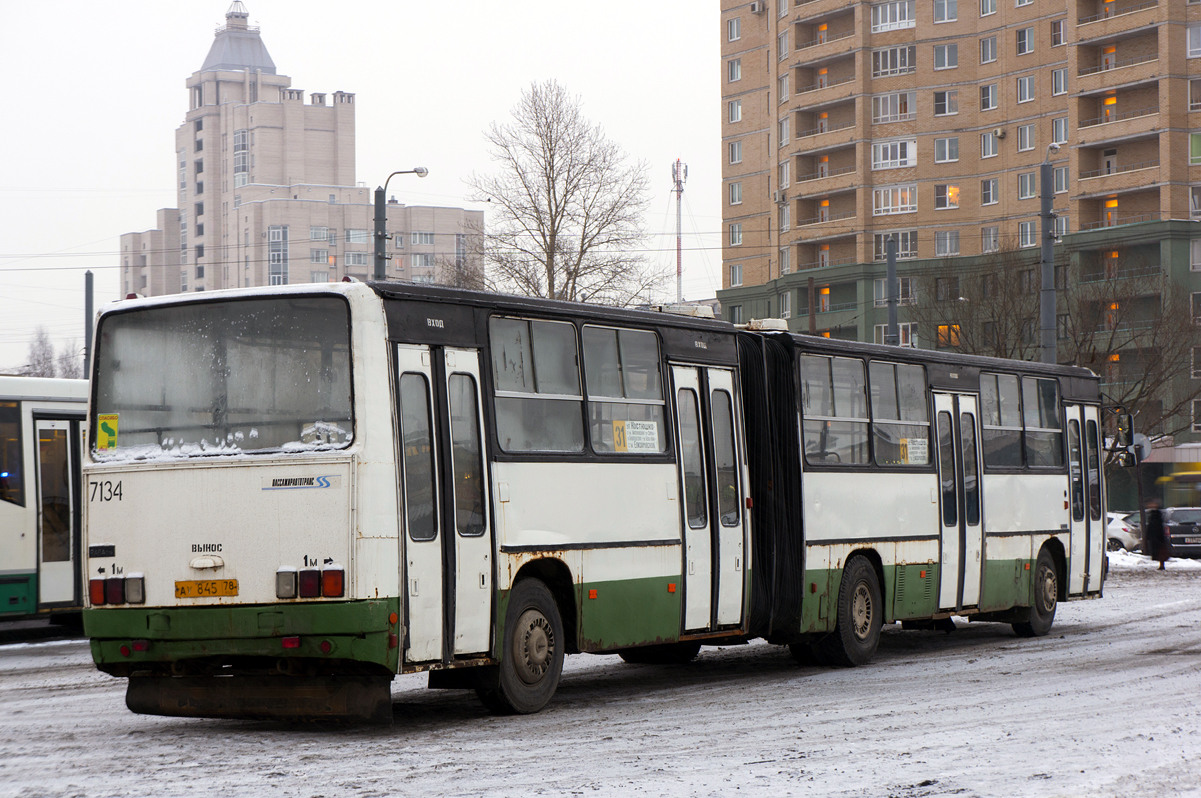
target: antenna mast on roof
<point>679,173</point>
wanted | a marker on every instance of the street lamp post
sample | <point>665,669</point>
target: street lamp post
<point>381,219</point>
<point>1046,310</point>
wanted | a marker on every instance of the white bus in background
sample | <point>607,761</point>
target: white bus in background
<point>40,529</point>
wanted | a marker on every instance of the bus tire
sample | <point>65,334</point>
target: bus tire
<point>860,617</point>
<point>663,654</point>
<point>532,658</point>
<point>1041,613</point>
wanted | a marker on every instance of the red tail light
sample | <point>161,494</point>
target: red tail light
<point>114,590</point>
<point>333,582</point>
<point>96,592</point>
<point>310,583</point>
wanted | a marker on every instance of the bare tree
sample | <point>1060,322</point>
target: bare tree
<point>1123,318</point>
<point>70,360</point>
<point>41,355</point>
<point>568,207</point>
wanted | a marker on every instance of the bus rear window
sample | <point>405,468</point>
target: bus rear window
<point>260,375</point>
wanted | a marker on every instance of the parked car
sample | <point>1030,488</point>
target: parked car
<point>1182,525</point>
<point>1120,533</point>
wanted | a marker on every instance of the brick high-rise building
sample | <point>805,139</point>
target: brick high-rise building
<point>845,123</point>
<point>267,192</point>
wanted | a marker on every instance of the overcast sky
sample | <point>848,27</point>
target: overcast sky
<point>95,90</point>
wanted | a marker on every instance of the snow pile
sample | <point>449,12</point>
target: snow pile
<point>1123,560</point>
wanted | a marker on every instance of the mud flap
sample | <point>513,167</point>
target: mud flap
<point>362,699</point>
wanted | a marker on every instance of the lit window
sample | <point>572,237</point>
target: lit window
<point>946,196</point>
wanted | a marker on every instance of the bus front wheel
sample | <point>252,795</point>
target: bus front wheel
<point>532,659</point>
<point>860,617</point>
<point>1046,596</point>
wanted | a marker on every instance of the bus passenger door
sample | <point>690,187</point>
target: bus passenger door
<point>448,541</point>
<point>728,518</point>
<point>960,500</point>
<point>58,512</point>
<point>1087,536</point>
<point>697,534</point>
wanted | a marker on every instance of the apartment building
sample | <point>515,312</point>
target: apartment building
<point>926,121</point>
<point>267,192</point>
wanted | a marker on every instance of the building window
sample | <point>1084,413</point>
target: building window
<point>736,193</point>
<point>357,259</point>
<point>735,152</point>
<point>734,70</point>
<point>318,234</point>
<point>1059,130</point>
<point>946,150</point>
<point>1026,237</point>
<point>735,314</point>
<point>946,56</point>
<point>894,61</point>
<point>990,239</point>
<point>894,107</point>
<point>1194,148</point>
<point>1195,202</point>
<point>1194,41</point>
<point>988,49</point>
<point>906,245</point>
<point>736,234</point>
<point>988,144</point>
<point>785,260</point>
<point>894,154</point>
<point>895,199</point>
<point>1057,33</point>
<point>1027,185</point>
<point>1025,137</point>
<point>424,260</point>
<point>904,290</point>
<point>906,336</point>
<point>735,111</point>
<point>948,335</point>
<point>417,239</point>
<point>893,15</point>
<point>734,29</point>
<point>1061,179</point>
<point>277,255</point>
<point>1025,88</point>
<point>946,196</point>
<point>785,217</point>
<point>946,103</point>
<point>784,174</point>
<point>358,236</point>
<point>946,10</point>
<point>735,274</point>
<point>319,256</point>
<point>988,97</point>
<point>1195,254</point>
<point>1025,40</point>
<point>786,305</point>
<point>782,46</point>
<point>988,191</point>
<point>1019,3</point>
<point>946,242</point>
<point>1061,224</point>
<point>782,88</point>
<point>988,7</point>
<point>784,130</point>
<point>1059,81</point>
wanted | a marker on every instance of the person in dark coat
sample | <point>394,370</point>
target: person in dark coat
<point>1154,540</point>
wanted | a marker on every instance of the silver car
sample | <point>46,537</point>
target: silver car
<point>1121,534</point>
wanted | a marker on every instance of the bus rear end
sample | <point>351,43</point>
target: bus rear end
<point>227,441</point>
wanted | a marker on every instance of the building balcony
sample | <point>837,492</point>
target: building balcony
<point>1130,17</point>
<point>819,94</point>
<point>820,140</point>
<point>810,10</point>
<point>1120,219</point>
<point>823,264</point>
<point>1110,74</point>
<point>830,181</point>
<point>819,50</point>
<point>1119,179</point>
<point>1135,123</point>
<point>829,228</point>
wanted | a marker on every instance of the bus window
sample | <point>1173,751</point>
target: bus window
<point>536,373</point>
<point>625,390</point>
<point>1075,468</point>
<point>946,470</point>
<point>1044,431</point>
<point>465,457</point>
<point>834,399</point>
<point>971,475</point>
<point>724,459</point>
<point>12,486</point>
<point>694,467</point>
<point>1094,472</point>
<point>1001,419</point>
<point>418,456</point>
<point>900,424</point>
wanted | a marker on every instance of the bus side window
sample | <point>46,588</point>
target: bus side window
<point>1075,466</point>
<point>693,461</point>
<point>12,486</point>
<point>535,368</point>
<point>946,470</point>
<point>418,457</point>
<point>468,465</point>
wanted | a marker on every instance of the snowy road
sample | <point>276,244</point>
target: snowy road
<point>1107,705</point>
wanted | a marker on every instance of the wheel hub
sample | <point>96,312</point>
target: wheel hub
<point>861,611</point>
<point>535,646</point>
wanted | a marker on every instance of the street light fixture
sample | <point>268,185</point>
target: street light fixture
<point>381,219</point>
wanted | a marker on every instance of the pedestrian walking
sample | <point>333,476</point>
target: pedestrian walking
<point>1155,542</point>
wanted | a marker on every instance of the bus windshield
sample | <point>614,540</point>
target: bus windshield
<point>237,376</point>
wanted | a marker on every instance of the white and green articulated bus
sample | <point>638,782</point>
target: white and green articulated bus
<point>41,571</point>
<point>304,491</point>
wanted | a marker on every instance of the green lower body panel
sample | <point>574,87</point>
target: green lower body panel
<point>125,640</point>
<point>18,594</point>
<point>1006,584</point>
<point>632,612</point>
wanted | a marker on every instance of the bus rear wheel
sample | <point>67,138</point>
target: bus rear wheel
<point>532,657</point>
<point>1041,613</point>
<point>860,617</point>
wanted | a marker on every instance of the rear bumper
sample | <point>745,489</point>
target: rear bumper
<point>301,638</point>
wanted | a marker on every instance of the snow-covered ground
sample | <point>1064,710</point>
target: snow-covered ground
<point>1106,705</point>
